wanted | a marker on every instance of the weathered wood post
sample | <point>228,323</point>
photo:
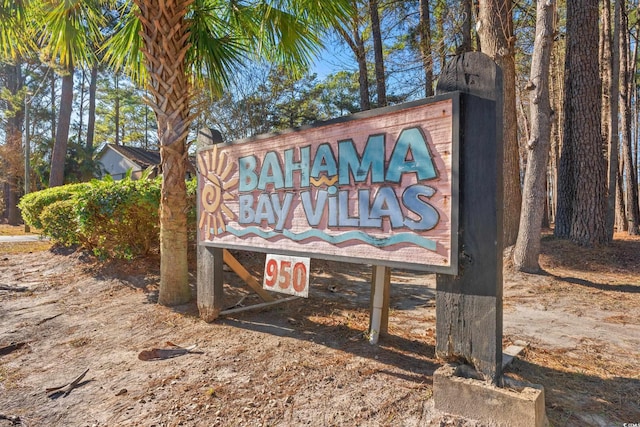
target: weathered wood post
<point>210,285</point>
<point>469,305</point>
<point>379,302</point>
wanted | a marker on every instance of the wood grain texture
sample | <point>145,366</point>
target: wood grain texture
<point>469,305</point>
<point>242,272</point>
<point>230,200</point>
<point>210,284</point>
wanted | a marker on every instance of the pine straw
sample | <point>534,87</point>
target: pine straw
<point>12,248</point>
<point>595,378</point>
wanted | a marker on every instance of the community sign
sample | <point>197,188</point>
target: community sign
<point>378,187</point>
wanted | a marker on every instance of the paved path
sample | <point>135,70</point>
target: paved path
<point>23,238</point>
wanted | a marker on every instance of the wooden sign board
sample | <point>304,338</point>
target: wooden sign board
<point>379,187</point>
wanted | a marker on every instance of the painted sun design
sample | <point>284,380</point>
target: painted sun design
<point>219,179</point>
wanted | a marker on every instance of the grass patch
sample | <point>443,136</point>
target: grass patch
<point>15,230</point>
<point>12,248</point>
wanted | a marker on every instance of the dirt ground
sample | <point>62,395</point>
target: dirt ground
<point>305,362</point>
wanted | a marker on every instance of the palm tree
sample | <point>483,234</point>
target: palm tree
<point>185,43</point>
<point>15,43</point>
<point>70,29</point>
<point>14,37</point>
<point>63,33</point>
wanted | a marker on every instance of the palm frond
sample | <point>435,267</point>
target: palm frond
<point>289,31</point>
<point>70,29</point>
<point>225,33</point>
<point>217,48</point>
<point>123,48</point>
<point>15,32</point>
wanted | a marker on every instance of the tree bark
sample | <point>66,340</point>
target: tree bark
<point>81,107</point>
<point>381,86</point>
<point>440,12</point>
<point>612,108</point>
<point>356,44</point>
<point>527,249</point>
<point>582,175</point>
<point>495,24</point>
<point>621,215</point>
<point>631,183</point>
<point>116,110</point>
<point>91,121</point>
<point>165,33</point>
<point>363,73</point>
<point>604,54</point>
<point>12,156</point>
<point>557,78</point>
<point>56,175</point>
<point>465,46</point>
<point>53,106</point>
<point>425,47</point>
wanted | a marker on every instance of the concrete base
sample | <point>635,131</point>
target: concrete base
<point>456,392</point>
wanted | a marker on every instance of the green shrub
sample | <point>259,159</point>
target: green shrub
<point>114,219</point>
<point>59,222</point>
<point>32,205</point>
<point>119,218</point>
<point>192,212</point>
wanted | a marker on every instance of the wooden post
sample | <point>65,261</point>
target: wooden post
<point>242,272</point>
<point>210,286</point>
<point>469,305</point>
<point>379,311</point>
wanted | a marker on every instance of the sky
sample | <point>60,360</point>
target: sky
<point>332,58</point>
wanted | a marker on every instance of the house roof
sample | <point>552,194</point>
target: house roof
<point>144,158</point>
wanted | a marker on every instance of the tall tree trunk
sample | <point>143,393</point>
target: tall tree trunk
<point>12,157</point>
<point>54,117</point>
<point>56,175</point>
<point>166,33</point>
<point>91,121</point>
<point>636,154</point>
<point>425,47</point>
<point>612,107</point>
<point>582,176</point>
<point>631,183</point>
<point>548,214</point>
<point>465,45</point>
<point>363,73</point>
<point>146,124</point>
<point>81,107</point>
<point>5,196</point>
<point>354,39</point>
<point>523,122</point>
<point>116,110</point>
<point>495,24</point>
<point>527,249</point>
<point>621,215</point>
<point>557,79</point>
<point>604,55</point>
<point>381,85</point>
<point>440,12</point>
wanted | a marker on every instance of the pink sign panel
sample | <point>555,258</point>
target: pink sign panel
<point>378,187</point>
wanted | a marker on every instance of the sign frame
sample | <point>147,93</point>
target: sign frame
<point>450,269</point>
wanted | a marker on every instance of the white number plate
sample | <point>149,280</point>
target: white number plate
<point>286,274</point>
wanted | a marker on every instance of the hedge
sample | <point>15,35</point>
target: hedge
<point>114,219</point>
<point>32,205</point>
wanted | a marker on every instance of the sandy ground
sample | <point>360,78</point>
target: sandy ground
<point>305,362</point>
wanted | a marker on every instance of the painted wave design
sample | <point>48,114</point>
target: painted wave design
<point>379,242</point>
